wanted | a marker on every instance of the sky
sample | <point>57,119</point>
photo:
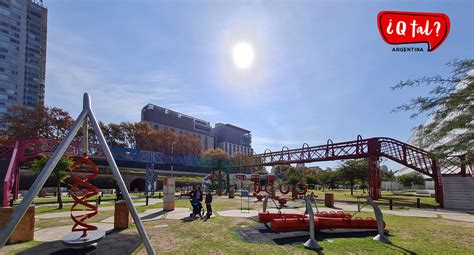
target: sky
<point>321,69</point>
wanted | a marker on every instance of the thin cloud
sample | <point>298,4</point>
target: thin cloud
<point>116,96</point>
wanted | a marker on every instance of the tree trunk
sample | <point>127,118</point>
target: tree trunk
<point>60,200</point>
<point>352,188</point>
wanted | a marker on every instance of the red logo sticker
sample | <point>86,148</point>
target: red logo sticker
<point>397,27</point>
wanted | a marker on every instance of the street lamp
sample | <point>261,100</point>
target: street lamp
<point>172,157</point>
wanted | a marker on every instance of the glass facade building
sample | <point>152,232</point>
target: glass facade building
<point>23,29</point>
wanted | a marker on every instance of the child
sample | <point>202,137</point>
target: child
<point>208,204</point>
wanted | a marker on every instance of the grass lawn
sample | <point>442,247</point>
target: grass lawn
<point>217,236</point>
<point>399,201</point>
<point>410,235</point>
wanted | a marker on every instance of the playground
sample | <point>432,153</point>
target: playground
<point>252,213</point>
<point>426,233</point>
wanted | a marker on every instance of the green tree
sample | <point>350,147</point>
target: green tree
<point>351,171</point>
<point>387,176</point>
<point>312,179</point>
<point>61,172</point>
<point>410,179</point>
<point>293,175</point>
<point>449,104</point>
<point>328,179</point>
<point>261,171</point>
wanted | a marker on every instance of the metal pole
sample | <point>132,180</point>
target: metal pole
<point>172,158</point>
<point>85,137</point>
<point>120,183</point>
<point>311,243</point>
<point>20,211</point>
<point>380,224</point>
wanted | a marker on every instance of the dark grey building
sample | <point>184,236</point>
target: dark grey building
<point>166,119</point>
<point>23,27</point>
<point>233,139</point>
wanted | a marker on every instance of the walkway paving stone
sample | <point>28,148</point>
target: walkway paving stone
<point>238,213</point>
<point>57,233</point>
<point>115,243</point>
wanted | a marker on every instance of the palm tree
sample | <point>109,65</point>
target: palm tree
<point>61,172</point>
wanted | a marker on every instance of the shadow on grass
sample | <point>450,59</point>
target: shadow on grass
<point>190,219</point>
<point>114,242</point>
<point>405,251</point>
<point>153,215</point>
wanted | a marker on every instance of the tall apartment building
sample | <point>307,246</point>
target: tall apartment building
<point>165,119</point>
<point>23,27</point>
<point>233,139</point>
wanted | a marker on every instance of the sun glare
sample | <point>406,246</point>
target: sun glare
<point>243,55</point>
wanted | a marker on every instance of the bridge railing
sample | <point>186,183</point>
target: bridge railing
<point>11,176</point>
<point>331,151</point>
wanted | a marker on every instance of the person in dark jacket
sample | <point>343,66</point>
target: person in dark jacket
<point>208,202</point>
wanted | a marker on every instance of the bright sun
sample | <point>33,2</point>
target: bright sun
<point>243,55</point>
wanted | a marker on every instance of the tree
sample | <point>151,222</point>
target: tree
<point>351,171</point>
<point>45,122</point>
<point>449,104</point>
<point>328,179</point>
<point>215,154</point>
<point>187,145</point>
<point>61,172</point>
<point>293,175</point>
<point>410,179</point>
<point>261,171</point>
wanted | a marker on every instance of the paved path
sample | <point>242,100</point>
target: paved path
<point>57,233</point>
<point>101,208</point>
<point>115,243</point>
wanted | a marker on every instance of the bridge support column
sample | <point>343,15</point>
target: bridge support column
<point>438,182</point>
<point>374,168</point>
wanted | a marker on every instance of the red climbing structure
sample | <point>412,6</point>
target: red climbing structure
<point>372,149</point>
<point>82,172</point>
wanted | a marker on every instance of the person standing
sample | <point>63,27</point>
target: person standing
<point>208,204</point>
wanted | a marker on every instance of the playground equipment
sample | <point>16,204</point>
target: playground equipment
<point>150,181</point>
<point>85,114</point>
<point>269,187</point>
<point>284,222</point>
<point>82,171</point>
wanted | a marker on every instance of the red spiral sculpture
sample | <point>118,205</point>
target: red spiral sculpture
<point>82,171</point>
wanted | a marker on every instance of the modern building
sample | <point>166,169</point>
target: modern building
<point>23,27</point>
<point>233,139</point>
<point>165,119</point>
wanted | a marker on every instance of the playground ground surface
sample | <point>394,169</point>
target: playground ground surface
<point>410,235</point>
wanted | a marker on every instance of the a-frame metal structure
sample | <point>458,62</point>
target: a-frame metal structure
<point>86,114</point>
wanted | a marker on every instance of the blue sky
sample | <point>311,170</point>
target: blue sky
<point>321,68</point>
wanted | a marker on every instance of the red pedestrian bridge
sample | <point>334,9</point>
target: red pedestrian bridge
<point>20,152</point>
